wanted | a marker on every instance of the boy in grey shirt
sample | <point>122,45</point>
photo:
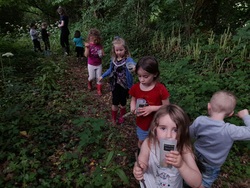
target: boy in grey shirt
<point>214,137</point>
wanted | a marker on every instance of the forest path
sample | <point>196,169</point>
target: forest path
<point>100,107</point>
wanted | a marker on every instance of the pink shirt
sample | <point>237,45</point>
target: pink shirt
<point>93,58</point>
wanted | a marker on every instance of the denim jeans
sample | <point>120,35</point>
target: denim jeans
<point>209,173</point>
<point>141,134</point>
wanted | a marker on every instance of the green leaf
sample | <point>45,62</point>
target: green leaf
<point>122,175</point>
<point>110,156</point>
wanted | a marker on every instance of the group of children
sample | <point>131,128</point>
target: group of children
<point>64,35</point>
<point>34,34</point>
<point>157,119</point>
<point>213,139</point>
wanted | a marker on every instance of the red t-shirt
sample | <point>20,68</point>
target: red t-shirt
<point>153,97</point>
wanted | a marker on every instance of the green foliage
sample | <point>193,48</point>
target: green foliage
<point>36,148</point>
<point>49,73</point>
<point>234,163</point>
<point>44,143</point>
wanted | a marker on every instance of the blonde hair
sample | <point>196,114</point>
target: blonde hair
<point>223,102</point>
<point>119,41</point>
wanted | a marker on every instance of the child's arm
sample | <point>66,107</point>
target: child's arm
<point>133,105</point>
<point>103,52</point>
<point>242,113</point>
<point>144,111</point>
<point>86,51</point>
<point>240,132</point>
<point>187,167</point>
<point>143,158</point>
<point>107,72</point>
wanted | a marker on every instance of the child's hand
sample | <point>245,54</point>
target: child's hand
<point>132,110</point>
<point>138,171</point>
<point>144,111</point>
<point>174,158</point>
<point>86,44</point>
<point>242,113</point>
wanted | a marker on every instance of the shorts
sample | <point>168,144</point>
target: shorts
<point>119,95</point>
<point>141,134</point>
<point>209,173</point>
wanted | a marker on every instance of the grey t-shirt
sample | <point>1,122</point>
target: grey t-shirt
<point>214,139</point>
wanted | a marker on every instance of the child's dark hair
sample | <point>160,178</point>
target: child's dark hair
<point>149,64</point>
<point>77,34</point>
<point>119,41</point>
<point>182,121</point>
<point>44,24</point>
<point>95,33</point>
<point>32,24</point>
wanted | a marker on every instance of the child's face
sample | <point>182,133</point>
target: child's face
<point>119,50</point>
<point>166,129</point>
<point>145,77</point>
<point>93,39</point>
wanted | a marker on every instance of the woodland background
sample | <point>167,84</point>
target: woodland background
<point>54,133</point>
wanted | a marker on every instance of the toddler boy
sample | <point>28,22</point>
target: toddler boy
<point>214,137</point>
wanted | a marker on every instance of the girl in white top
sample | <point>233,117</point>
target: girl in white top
<point>170,122</point>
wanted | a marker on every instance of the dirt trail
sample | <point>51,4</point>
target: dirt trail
<point>95,104</point>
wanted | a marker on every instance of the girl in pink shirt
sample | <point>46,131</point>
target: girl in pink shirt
<point>94,52</point>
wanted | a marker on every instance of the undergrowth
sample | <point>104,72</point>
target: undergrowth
<point>45,142</point>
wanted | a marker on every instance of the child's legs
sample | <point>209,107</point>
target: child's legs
<point>34,44</point>
<point>37,44</point>
<point>123,96</point>
<point>91,71</point>
<point>114,107</point>
<point>81,51</point>
<point>98,73</point>
<point>115,97</point>
<point>142,135</point>
<point>119,95</point>
<point>47,44</point>
<point>78,52</point>
<point>209,175</point>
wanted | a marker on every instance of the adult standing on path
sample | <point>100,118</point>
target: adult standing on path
<point>63,25</point>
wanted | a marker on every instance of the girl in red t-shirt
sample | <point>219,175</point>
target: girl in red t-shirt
<point>151,91</point>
